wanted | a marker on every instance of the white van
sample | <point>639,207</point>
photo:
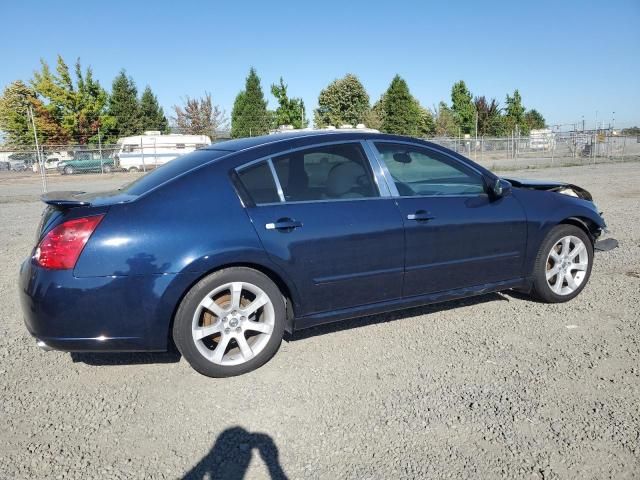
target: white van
<point>145,152</point>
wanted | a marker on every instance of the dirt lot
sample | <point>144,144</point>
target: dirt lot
<point>492,387</point>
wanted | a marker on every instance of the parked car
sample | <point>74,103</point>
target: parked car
<point>224,249</point>
<point>17,165</point>
<point>21,161</point>
<point>50,163</point>
<point>86,162</point>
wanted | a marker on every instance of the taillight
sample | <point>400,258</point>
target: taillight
<point>62,245</point>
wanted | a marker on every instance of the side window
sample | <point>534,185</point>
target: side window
<point>326,173</point>
<point>131,148</point>
<point>420,171</point>
<point>259,183</point>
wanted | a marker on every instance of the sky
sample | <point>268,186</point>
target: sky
<point>570,60</point>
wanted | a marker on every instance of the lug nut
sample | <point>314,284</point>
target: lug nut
<point>227,330</point>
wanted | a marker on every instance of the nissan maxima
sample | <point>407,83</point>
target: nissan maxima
<point>222,251</point>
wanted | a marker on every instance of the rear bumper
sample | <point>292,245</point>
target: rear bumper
<point>115,313</point>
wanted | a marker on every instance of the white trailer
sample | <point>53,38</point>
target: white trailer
<point>145,152</point>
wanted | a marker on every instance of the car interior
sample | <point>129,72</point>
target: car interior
<point>415,173</point>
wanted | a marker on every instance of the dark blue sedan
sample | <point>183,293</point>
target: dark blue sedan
<point>223,250</point>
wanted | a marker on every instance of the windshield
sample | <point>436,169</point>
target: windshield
<point>172,169</point>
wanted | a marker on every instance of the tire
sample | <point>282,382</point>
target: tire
<point>106,168</point>
<point>68,170</point>
<point>208,318</point>
<point>554,262</point>
<point>134,170</point>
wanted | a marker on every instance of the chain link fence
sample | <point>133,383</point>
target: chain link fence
<point>539,150</point>
<point>545,150</point>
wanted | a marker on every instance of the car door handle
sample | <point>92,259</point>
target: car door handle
<point>420,216</point>
<point>285,224</point>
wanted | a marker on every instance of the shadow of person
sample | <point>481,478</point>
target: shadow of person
<point>230,456</point>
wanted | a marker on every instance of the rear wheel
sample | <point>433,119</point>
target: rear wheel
<point>134,169</point>
<point>106,169</point>
<point>563,264</point>
<point>229,323</point>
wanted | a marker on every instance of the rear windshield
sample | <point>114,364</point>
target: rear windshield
<point>172,169</point>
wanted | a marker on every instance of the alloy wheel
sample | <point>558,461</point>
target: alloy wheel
<point>567,265</point>
<point>233,323</point>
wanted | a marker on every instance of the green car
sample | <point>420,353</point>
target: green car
<point>86,162</point>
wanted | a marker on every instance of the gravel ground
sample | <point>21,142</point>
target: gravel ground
<point>491,387</point>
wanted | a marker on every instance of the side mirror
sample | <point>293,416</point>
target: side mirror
<point>500,188</point>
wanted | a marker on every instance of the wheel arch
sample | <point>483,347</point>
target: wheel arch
<point>287,290</point>
<point>587,225</point>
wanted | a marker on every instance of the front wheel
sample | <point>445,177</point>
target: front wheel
<point>68,170</point>
<point>563,265</point>
<point>230,322</point>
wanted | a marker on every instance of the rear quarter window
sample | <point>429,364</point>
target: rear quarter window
<point>259,183</point>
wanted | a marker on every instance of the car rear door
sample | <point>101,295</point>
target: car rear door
<point>456,235</point>
<point>324,220</point>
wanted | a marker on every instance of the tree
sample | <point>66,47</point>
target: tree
<point>152,113</point>
<point>463,107</point>
<point>290,111</point>
<point>14,120</point>
<point>489,117</point>
<point>426,123</point>
<point>200,116</point>
<point>124,106</point>
<point>249,116</point>
<point>630,131</point>
<point>374,117</point>
<point>514,114</point>
<point>445,122</point>
<point>343,101</point>
<point>402,112</point>
<point>76,107</point>
<point>534,120</point>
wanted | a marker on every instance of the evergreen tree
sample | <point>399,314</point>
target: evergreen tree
<point>124,106</point>
<point>249,116</point>
<point>343,101</point>
<point>463,108</point>
<point>152,113</point>
<point>514,115</point>
<point>290,111</point>
<point>402,114</point>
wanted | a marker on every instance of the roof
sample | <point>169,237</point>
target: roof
<point>250,142</point>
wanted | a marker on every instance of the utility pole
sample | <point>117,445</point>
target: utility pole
<point>100,151</point>
<point>38,156</point>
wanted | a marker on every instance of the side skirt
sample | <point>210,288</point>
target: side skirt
<point>403,303</point>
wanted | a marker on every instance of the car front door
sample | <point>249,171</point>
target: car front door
<point>456,235</point>
<point>323,219</point>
